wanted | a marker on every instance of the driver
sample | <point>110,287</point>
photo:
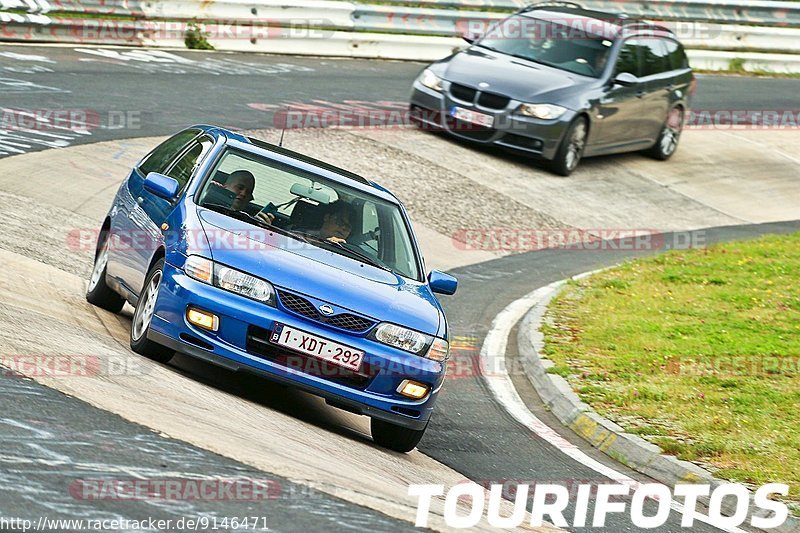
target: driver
<point>242,183</point>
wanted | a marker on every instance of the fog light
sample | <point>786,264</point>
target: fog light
<point>412,389</point>
<point>202,319</point>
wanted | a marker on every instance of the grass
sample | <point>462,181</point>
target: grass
<point>697,351</point>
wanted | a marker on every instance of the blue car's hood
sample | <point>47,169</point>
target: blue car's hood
<point>320,273</point>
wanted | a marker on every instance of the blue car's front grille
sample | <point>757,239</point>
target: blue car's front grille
<point>301,306</point>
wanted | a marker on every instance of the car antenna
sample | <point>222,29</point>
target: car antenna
<point>283,129</point>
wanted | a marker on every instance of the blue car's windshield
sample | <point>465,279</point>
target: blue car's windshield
<point>319,211</point>
<point>562,44</point>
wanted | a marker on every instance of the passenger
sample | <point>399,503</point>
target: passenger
<point>337,222</point>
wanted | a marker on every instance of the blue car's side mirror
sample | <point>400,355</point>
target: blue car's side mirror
<point>442,283</point>
<point>161,185</point>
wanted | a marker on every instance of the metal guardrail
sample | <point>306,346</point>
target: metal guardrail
<point>756,12</point>
<point>347,28</point>
<point>325,43</point>
<point>749,12</point>
<point>104,7</point>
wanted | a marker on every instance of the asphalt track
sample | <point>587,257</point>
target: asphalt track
<point>142,93</point>
<point>470,432</point>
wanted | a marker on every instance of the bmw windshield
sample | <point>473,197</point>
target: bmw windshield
<point>312,209</point>
<point>562,44</point>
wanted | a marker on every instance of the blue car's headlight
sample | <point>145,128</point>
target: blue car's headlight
<point>230,279</point>
<point>412,341</point>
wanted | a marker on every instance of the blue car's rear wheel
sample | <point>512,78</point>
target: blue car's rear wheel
<point>394,437</point>
<point>99,293</point>
<point>143,316</point>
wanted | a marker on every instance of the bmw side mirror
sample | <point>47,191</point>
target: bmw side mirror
<point>442,283</point>
<point>626,79</point>
<point>161,185</point>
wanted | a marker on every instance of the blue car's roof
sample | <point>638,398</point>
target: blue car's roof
<point>296,159</point>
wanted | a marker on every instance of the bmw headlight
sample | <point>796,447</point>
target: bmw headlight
<point>542,111</point>
<point>430,80</point>
<point>412,341</point>
<point>230,279</point>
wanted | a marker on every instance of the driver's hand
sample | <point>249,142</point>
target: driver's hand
<point>337,240</point>
<point>268,218</point>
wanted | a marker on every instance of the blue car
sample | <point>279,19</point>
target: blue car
<point>259,259</point>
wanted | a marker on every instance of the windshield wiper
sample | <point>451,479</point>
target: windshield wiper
<point>361,256</point>
<point>247,217</point>
<point>238,215</point>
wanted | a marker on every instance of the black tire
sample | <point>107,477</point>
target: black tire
<point>98,292</point>
<point>140,324</point>
<point>571,149</point>
<point>394,437</point>
<point>670,135</point>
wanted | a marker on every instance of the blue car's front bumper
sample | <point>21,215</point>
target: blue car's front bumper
<point>239,345</point>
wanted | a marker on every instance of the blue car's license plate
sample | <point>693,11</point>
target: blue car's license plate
<point>318,347</point>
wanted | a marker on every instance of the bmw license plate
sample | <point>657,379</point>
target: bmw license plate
<point>309,344</point>
<point>473,117</point>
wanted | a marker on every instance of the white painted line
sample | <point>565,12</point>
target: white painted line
<point>500,384</point>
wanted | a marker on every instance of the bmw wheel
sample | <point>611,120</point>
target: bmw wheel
<point>571,149</point>
<point>99,293</point>
<point>394,437</point>
<point>667,142</point>
<point>143,316</point>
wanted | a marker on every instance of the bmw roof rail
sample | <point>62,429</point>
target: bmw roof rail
<point>547,3</point>
<point>629,24</point>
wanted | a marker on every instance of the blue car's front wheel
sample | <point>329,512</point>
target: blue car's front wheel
<point>394,437</point>
<point>143,316</point>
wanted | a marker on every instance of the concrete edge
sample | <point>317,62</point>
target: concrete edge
<point>603,434</point>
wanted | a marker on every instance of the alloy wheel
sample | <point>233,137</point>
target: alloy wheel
<point>99,266</point>
<point>672,131</point>
<point>146,307</point>
<point>576,143</point>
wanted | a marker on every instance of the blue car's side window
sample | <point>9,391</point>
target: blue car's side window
<point>159,159</point>
<point>186,164</point>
